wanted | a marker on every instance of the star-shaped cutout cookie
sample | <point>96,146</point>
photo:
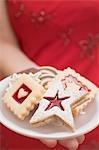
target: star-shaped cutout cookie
<point>48,107</point>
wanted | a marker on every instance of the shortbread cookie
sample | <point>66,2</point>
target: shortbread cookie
<point>45,75</point>
<point>22,94</point>
<point>81,90</point>
<point>67,95</point>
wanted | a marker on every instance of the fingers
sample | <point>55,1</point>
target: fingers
<point>71,144</point>
<point>81,139</point>
<point>49,143</point>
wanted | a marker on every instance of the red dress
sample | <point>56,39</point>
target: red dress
<point>58,33</point>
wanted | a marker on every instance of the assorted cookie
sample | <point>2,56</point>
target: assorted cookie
<point>55,103</point>
<point>22,94</point>
<point>45,75</point>
<point>59,95</point>
<point>81,90</point>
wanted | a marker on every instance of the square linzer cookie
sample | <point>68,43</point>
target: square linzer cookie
<point>22,94</point>
<point>67,95</point>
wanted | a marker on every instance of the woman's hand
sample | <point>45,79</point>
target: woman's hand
<point>71,144</point>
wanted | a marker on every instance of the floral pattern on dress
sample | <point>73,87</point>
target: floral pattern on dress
<point>89,45</point>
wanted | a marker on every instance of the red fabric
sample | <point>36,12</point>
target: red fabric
<point>58,33</point>
<point>66,31</point>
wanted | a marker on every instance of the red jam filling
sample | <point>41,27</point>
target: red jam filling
<point>74,79</point>
<point>55,101</point>
<point>25,88</point>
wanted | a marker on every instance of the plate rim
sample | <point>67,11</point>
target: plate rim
<point>25,132</point>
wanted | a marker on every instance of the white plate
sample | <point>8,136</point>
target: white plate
<point>84,123</point>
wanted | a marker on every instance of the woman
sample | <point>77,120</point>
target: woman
<point>55,33</point>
